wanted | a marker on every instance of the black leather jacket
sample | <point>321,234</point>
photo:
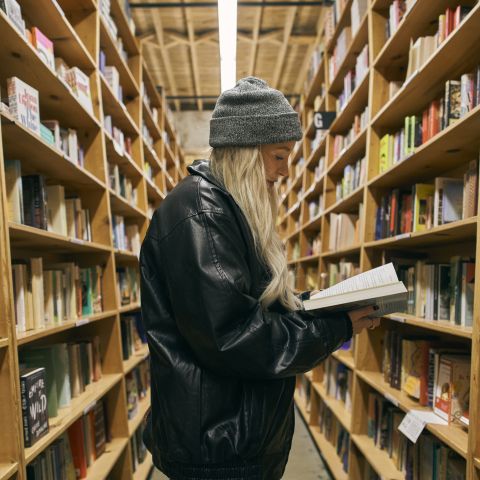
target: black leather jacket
<point>223,369</point>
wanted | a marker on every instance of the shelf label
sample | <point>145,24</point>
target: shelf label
<point>402,235</point>
<point>391,399</point>
<point>82,321</point>
<point>397,318</point>
<point>323,120</point>
<point>77,240</point>
<point>412,426</point>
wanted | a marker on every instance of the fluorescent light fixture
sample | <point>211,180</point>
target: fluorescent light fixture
<point>227,26</point>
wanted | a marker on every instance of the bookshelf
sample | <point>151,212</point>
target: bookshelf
<point>306,228</point>
<point>153,164</point>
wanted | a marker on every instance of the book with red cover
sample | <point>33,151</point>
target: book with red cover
<point>75,435</point>
<point>434,118</point>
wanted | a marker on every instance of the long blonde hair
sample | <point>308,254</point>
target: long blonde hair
<point>242,172</point>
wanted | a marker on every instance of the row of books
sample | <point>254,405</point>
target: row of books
<point>313,179</point>
<point>338,272</point>
<point>133,334</point>
<point>125,236</point>
<point>339,52</point>
<point>111,76</point>
<point>315,61</point>
<point>440,291</point>
<point>317,139</point>
<point>353,178</point>
<point>122,143</point>
<point>32,202</point>
<point>121,184</point>
<point>147,136</point>
<point>147,102</point>
<point>137,383</point>
<point>316,207</point>
<point>396,12</point>
<point>338,381</point>
<point>313,245</point>
<point>332,16</point>
<point>345,229</point>
<point>430,372</point>
<point>128,285</point>
<point>59,292</point>
<point>334,432</point>
<point>50,377</point>
<point>423,47</point>
<point>353,79</point>
<point>138,448</point>
<point>427,205</point>
<point>342,142</point>
<point>427,458</point>
<point>460,97</point>
<point>357,12</point>
<point>112,29</point>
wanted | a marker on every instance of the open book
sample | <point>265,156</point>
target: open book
<point>379,286</point>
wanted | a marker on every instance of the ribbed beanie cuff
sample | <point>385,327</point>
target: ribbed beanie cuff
<point>253,114</point>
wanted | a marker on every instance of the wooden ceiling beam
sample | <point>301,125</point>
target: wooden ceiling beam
<point>157,23</point>
<point>290,20</point>
<point>193,55</point>
<point>255,36</point>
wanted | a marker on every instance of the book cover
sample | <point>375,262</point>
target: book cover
<point>57,215</point>
<point>14,12</point>
<point>44,47</point>
<point>453,102</point>
<point>34,201</point>
<point>34,404</point>
<point>414,376</point>
<point>420,194</point>
<point>36,272</point>
<point>24,104</point>
<point>76,438</point>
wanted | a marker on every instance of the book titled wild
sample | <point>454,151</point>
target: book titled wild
<point>378,287</point>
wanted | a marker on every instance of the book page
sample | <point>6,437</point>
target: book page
<point>376,277</point>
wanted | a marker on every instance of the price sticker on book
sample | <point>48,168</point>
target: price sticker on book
<point>412,426</point>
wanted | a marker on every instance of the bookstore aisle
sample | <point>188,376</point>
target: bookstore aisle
<point>392,176</point>
<point>87,152</point>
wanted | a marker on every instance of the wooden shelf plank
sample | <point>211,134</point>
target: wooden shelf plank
<point>309,376</point>
<point>7,470</point>
<point>441,326</point>
<point>153,192</point>
<point>121,206</point>
<point>444,234</point>
<point>348,63</point>
<point>3,342</point>
<point>51,20</point>
<point>308,259</point>
<point>23,236</point>
<point>448,61</point>
<point>143,470</point>
<point>142,409</point>
<point>66,416</point>
<point>301,408</point>
<point>329,454</point>
<point>346,357</point>
<point>354,106</point>
<point>33,335</point>
<point>125,161</point>
<point>355,151</point>
<point>135,359</point>
<point>378,459</point>
<point>152,157</point>
<point>129,308</point>
<point>453,436</point>
<point>121,117</point>
<point>349,204</point>
<point>336,406</point>
<point>126,256</point>
<point>476,462</point>
<point>149,121</point>
<point>103,465</point>
<point>169,155</point>
<point>38,156</point>
<point>353,250</point>
<point>128,37</point>
<point>56,101</point>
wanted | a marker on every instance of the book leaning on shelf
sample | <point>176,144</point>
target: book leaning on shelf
<point>378,287</point>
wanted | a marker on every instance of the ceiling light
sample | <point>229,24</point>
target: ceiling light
<point>227,26</point>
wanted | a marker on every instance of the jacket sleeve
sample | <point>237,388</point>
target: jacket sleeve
<point>208,281</point>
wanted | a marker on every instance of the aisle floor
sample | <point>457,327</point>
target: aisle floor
<point>304,463</point>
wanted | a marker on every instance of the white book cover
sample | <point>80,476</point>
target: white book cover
<point>80,85</point>
<point>19,272</point>
<point>13,180</point>
<point>57,215</point>
<point>24,104</point>
<point>14,13</point>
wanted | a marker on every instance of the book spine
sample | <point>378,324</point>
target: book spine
<point>25,408</point>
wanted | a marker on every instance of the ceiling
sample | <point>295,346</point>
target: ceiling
<point>180,45</point>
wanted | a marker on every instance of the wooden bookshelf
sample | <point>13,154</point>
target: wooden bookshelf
<point>442,155</point>
<point>143,406</point>
<point>79,31</point>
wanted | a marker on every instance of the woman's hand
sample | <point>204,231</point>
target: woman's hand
<point>360,319</point>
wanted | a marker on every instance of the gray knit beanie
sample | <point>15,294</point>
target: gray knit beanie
<point>252,114</point>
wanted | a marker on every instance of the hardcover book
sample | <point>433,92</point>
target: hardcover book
<point>24,104</point>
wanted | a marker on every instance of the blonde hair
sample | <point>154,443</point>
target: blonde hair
<point>242,172</point>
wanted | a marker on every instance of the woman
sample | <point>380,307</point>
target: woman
<point>226,334</point>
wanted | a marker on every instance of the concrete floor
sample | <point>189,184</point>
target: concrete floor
<point>304,464</point>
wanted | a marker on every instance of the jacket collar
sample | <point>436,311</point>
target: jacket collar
<point>202,169</point>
